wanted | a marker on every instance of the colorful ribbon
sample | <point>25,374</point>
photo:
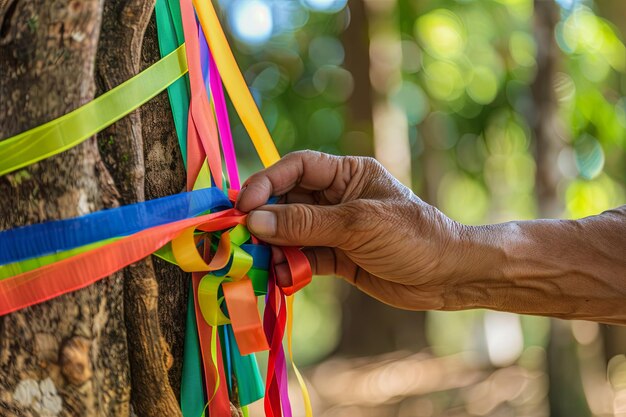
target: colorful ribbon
<point>235,83</point>
<point>202,128</point>
<point>170,37</point>
<point>40,262</point>
<point>44,238</point>
<point>223,123</point>
<point>76,272</point>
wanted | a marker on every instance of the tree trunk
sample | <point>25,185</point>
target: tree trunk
<point>359,140</point>
<point>566,394</point>
<point>122,146</point>
<point>71,356</point>
<point>370,327</point>
<point>614,337</point>
<point>68,356</point>
<point>165,175</point>
<point>547,128</point>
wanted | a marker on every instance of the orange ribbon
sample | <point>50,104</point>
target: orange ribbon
<point>79,271</point>
<point>299,267</point>
<point>244,316</point>
<point>202,129</point>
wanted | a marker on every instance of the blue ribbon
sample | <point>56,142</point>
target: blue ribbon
<point>45,238</point>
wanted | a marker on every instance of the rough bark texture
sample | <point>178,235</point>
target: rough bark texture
<point>71,356</point>
<point>119,58</point>
<point>165,175</point>
<point>51,355</point>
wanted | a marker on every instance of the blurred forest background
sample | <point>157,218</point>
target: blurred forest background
<point>492,110</point>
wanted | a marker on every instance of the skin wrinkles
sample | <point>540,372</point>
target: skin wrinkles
<point>356,221</point>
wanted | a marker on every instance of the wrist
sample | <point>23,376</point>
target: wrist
<point>483,263</point>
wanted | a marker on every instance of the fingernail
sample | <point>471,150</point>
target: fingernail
<point>262,223</point>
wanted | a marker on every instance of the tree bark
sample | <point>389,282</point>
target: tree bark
<point>119,58</point>
<point>548,132</point>
<point>67,356</point>
<point>355,38</point>
<point>71,355</point>
<point>164,175</point>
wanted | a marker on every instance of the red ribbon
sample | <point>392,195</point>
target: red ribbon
<point>274,321</point>
<point>219,404</point>
<point>79,271</point>
<point>299,267</point>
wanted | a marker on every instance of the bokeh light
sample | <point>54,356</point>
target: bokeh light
<point>446,92</point>
<point>327,6</point>
<point>252,21</point>
<point>442,33</point>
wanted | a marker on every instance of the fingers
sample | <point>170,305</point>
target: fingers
<point>332,261</point>
<point>302,224</point>
<point>323,261</point>
<point>309,170</point>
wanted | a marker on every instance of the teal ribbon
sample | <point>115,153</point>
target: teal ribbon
<point>249,381</point>
<point>191,393</point>
<point>245,368</point>
<point>170,35</point>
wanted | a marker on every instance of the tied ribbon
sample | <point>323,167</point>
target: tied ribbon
<point>202,130</point>
<point>45,238</point>
<point>299,268</point>
<point>276,393</point>
<point>278,318</point>
<point>244,315</point>
<point>223,123</point>
<point>217,393</point>
<point>170,36</point>
<point>226,296</point>
<point>78,271</point>
<point>237,287</point>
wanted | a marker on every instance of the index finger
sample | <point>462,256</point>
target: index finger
<point>307,170</point>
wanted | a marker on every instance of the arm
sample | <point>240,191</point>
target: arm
<point>560,268</point>
<point>359,223</point>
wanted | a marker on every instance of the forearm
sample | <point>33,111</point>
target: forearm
<point>574,269</point>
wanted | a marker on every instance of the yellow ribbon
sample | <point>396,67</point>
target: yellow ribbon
<point>234,82</point>
<point>308,410</point>
<point>210,302</point>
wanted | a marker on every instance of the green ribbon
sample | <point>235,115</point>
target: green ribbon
<point>16,268</point>
<point>73,128</point>
<point>170,36</point>
<point>249,381</point>
<point>191,393</point>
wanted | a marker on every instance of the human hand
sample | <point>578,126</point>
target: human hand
<point>357,222</point>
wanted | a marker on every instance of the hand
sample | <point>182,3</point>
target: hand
<point>357,222</point>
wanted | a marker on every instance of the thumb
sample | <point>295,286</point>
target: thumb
<point>300,224</point>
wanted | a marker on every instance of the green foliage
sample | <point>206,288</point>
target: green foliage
<point>466,71</point>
